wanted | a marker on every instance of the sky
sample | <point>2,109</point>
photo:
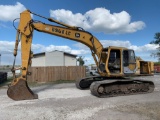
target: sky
<point>124,23</point>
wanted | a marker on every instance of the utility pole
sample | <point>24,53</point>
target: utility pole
<point>0,59</point>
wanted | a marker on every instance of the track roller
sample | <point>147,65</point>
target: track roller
<point>82,84</point>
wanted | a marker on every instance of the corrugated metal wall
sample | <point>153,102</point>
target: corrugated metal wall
<point>55,58</point>
<point>69,61</point>
<point>39,61</point>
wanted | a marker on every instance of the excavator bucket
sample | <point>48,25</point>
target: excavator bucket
<point>21,91</point>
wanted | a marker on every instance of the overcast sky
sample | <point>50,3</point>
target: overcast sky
<point>130,24</point>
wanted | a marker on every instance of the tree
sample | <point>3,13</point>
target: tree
<point>80,59</point>
<point>138,58</point>
<point>157,38</point>
<point>156,41</point>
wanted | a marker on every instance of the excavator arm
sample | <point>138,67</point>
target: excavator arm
<point>19,89</point>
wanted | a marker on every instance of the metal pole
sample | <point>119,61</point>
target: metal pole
<point>0,59</point>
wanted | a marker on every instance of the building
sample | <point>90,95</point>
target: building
<point>157,68</point>
<point>54,58</point>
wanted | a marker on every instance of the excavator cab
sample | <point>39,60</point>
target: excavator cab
<point>129,62</point>
<point>118,60</point>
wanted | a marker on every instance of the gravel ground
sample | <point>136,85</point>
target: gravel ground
<point>66,102</point>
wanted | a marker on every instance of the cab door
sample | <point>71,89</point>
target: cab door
<point>129,62</point>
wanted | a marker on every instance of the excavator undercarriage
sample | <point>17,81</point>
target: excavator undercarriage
<point>115,87</point>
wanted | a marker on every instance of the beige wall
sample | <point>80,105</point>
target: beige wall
<point>54,58</point>
<point>38,61</point>
<point>69,61</point>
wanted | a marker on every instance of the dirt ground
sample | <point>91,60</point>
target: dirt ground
<point>66,102</point>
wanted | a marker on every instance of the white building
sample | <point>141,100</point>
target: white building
<point>54,58</point>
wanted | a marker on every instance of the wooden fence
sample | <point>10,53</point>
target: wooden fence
<point>46,74</point>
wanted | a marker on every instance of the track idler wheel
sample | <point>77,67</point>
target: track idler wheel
<point>82,84</point>
<point>21,91</point>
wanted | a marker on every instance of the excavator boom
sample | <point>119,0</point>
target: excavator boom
<point>19,90</point>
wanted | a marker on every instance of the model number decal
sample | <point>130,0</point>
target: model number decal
<point>56,30</point>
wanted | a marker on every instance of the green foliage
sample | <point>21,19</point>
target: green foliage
<point>80,59</point>
<point>156,63</point>
<point>157,38</point>
<point>138,58</point>
<point>156,41</point>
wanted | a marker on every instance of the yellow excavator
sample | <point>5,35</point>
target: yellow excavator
<point>115,64</point>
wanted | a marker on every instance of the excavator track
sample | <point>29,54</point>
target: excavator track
<point>113,88</point>
<point>86,82</point>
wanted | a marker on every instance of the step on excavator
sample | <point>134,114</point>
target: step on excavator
<point>115,64</point>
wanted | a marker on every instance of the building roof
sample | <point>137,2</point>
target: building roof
<point>43,53</point>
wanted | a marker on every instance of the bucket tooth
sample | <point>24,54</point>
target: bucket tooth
<point>21,91</point>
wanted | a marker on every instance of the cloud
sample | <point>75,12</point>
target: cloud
<point>127,44</point>
<point>3,25</point>
<point>40,48</point>
<point>60,48</point>
<point>10,12</point>
<point>143,51</point>
<point>7,47</point>
<point>80,52</point>
<point>99,20</point>
<point>6,52</point>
